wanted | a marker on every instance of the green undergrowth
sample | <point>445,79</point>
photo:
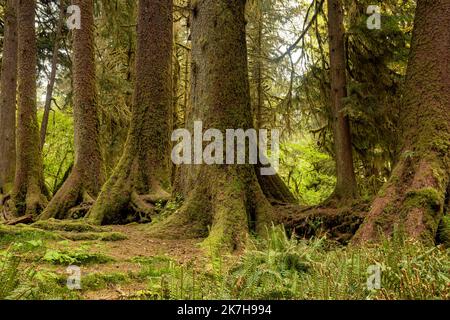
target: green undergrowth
<point>21,277</point>
<point>20,233</point>
<point>166,279</point>
<point>286,268</point>
<point>101,280</point>
<point>308,172</point>
<point>76,257</point>
<point>278,267</point>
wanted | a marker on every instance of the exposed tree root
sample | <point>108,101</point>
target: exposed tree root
<point>80,211</point>
<point>125,207</point>
<point>413,200</point>
<point>120,201</point>
<point>142,208</point>
<point>31,201</point>
<point>72,201</point>
<point>35,202</point>
<point>275,189</point>
<point>339,224</point>
<point>223,210</point>
<point>337,199</point>
<point>22,220</point>
<point>4,212</point>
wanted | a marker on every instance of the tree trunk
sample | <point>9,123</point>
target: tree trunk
<point>414,198</point>
<point>259,70</point>
<point>85,180</point>
<point>52,78</point>
<point>224,202</point>
<point>8,99</point>
<point>346,187</point>
<point>29,191</point>
<point>143,173</point>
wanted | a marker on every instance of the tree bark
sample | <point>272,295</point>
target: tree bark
<point>8,86</point>
<point>85,180</point>
<point>259,69</point>
<point>224,202</point>
<point>29,191</point>
<point>346,187</point>
<point>52,78</point>
<point>414,198</point>
<point>143,174</point>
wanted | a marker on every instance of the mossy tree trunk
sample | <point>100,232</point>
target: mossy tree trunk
<point>274,188</point>
<point>414,198</point>
<point>85,180</point>
<point>346,188</point>
<point>29,192</point>
<point>8,86</point>
<point>142,175</point>
<point>258,72</point>
<point>224,202</point>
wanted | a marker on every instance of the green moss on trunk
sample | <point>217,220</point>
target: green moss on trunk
<point>86,177</point>
<point>224,203</point>
<point>142,176</point>
<point>29,193</point>
<point>416,192</point>
<point>8,87</point>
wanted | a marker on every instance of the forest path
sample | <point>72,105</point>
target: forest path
<point>128,255</point>
<point>139,244</point>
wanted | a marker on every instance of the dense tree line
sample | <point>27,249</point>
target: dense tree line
<point>376,101</point>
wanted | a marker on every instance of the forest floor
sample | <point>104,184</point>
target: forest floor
<point>116,265</point>
<point>125,262</point>
<point>128,254</point>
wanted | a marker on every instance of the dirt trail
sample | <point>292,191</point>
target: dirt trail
<point>139,244</point>
<point>124,252</point>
